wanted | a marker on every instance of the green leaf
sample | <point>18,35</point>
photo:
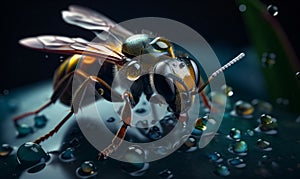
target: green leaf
<point>266,35</point>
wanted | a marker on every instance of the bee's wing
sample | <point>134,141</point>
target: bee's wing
<point>66,45</point>
<point>96,22</point>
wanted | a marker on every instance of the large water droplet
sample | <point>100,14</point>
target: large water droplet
<point>268,125</point>
<point>133,71</point>
<point>86,170</point>
<point>239,148</point>
<point>268,59</point>
<point>243,109</point>
<point>5,150</point>
<point>234,134</point>
<point>215,157</point>
<point>23,130</point>
<point>236,162</point>
<point>273,10</point>
<point>222,170</point>
<point>40,121</point>
<point>67,155</point>
<point>135,165</point>
<point>167,174</point>
<point>30,154</point>
<point>263,145</point>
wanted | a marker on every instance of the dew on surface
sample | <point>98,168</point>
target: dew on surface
<point>236,162</point>
<point>242,109</point>
<point>167,174</point>
<point>268,59</point>
<point>272,9</point>
<point>86,170</point>
<point>249,132</point>
<point>239,148</point>
<point>215,157</point>
<point>222,170</point>
<point>40,121</point>
<point>189,145</point>
<point>30,154</point>
<point>5,150</point>
<point>135,164</point>
<point>282,101</point>
<point>268,125</point>
<point>200,123</point>
<point>234,134</point>
<point>23,130</point>
<point>263,145</point>
<point>262,106</point>
<point>227,90</point>
<point>67,155</point>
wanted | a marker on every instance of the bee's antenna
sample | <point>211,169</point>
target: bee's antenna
<point>231,62</point>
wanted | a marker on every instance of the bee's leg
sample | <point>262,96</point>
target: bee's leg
<point>119,137</point>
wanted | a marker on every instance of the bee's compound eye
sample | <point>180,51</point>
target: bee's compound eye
<point>133,71</point>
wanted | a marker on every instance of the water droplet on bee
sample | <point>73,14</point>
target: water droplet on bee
<point>86,170</point>
<point>268,59</point>
<point>273,10</point>
<point>243,109</point>
<point>30,154</point>
<point>263,145</point>
<point>215,157</point>
<point>222,170</point>
<point>154,133</point>
<point>67,155</point>
<point>5,150</point>
<point>167,174</point>
<point>40,121</point>
<point>23,130</point>
<point>242,7</point>
<point>298,75</point>
<point>111,119</point>
<point>135,165</point>
<point>236,162</point>
<point>239,148</point>
<point>262,106</point>
<point>133,71</point>
<point>234,134</point>
<point>268,125</point>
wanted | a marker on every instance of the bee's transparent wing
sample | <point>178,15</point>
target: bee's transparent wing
<point>102,26</point>
<point>66,45</point>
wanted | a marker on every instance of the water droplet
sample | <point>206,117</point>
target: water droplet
<point>239,148</point>
<point>200,123</point>
<point>249,132</point>
<point>86,170</point>
<point>282,101</point>
<point>111,119</point>
<point>133,71</point>
<point>273,10</point>
<point>236,162</point>
<point>140,110</point>
<point>135,165</point>
<point>215,157</point>
<point>167,174</point>
<point>262,106</point>
<point>298,75</point>
<point>189,145</point>
<point>243,109</point>
<point>263,145</point>
<point>268,59</point>
<point>154,133</point>
<point>30,154</point>
<point>234,134</point>
<point>222,170</point>
<point>24,130</point>
<point>228,90</point>
<point>5,150</point>
<point>40,121</point>
<point>268,125</point>
<point>242,7</point>
<point>67,155</point>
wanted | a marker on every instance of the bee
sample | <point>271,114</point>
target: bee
<point>121,48</point>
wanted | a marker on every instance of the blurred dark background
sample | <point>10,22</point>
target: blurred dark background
<point>217,21</point>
